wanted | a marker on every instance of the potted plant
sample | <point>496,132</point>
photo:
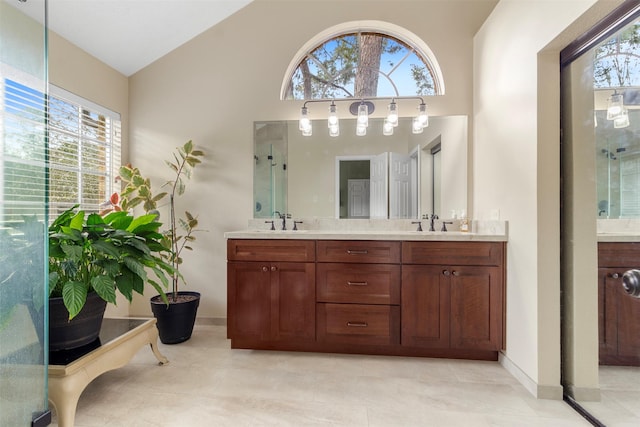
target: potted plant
<point>91,259</point>
<point>176,315</point>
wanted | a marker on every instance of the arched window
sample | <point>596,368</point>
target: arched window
<point>363,60</point>
<point>617,61</point>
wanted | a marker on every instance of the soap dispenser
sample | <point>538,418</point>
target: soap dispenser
<point>464,222</point>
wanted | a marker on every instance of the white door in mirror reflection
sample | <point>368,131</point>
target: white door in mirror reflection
<point>358,199</point>
<point>400,203</point>
<point>379,184</point>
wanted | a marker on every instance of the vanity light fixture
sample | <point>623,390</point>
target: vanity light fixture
<point>362,109</point>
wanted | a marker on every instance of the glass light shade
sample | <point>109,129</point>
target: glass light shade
<point>361,130</point>
<point>387,128</point>
<point>304,122</point>
<point>333,116</point>
<point>423,116</point>
<point>334,130</point>
<point>308,131</point>
<point>622,121</point>
<point>363,115</point>
<point>416,126</point>
<point>615,105</point>
<point>392,114</point>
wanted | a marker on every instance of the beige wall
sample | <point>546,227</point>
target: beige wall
<point>516,168</point>
<point>212,89</point>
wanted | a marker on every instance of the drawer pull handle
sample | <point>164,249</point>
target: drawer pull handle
<point>357,252</point>
<point>357,324</point>
<point>350,283</point>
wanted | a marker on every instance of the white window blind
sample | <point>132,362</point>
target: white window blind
<point>629,183</point>
<point>82,154</point>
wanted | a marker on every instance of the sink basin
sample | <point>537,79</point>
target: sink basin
<point>280,231</point>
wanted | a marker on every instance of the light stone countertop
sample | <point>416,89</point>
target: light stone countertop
<point>332,229</point>
<point>618,230</point>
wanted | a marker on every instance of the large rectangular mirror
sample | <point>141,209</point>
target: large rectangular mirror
<point>308,178</point>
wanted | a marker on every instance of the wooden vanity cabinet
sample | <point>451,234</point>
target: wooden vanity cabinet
<point>618,312</point>
<point>410,298</point>
<point>358,292</point>
<point>270,292</point>
<point>452,295</point>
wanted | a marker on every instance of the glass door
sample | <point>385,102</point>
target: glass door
<point>23,308</point>
<point>601,223</point>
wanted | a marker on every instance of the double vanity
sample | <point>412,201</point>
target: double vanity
<point>371,288</point>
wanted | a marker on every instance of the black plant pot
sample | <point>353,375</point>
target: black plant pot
<point>175,321</point>
<point>81,330</point>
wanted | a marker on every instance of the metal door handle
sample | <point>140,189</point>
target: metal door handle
<point>631,282</point>
<point>357,324</point>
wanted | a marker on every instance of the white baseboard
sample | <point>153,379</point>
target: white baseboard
<point>553,392</point>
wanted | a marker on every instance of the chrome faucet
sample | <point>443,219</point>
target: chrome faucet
<point>283,217</point>
<point>431,224</point>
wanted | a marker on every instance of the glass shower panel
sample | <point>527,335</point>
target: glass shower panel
<point>601,174</point>
<point>23,308</point>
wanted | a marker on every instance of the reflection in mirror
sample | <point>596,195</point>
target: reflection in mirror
<point>618,167</point>
<point>270,169</point>
<point>311,171</point>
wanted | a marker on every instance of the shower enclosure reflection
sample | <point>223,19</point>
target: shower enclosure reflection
<point>270,169</point>
<point>618,166</point>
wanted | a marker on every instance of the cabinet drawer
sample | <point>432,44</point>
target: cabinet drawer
<point>358,283</point>
<point>614,254</point>
<point>453,253</point>
<point>271,250</point>
<point>359,251</point>
<point>358,324</point>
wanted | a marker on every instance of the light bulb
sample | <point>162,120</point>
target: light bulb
<point>392,114</point>
<point>333,115</point>
<point>622,121</point>
<point>423,116</point>
<point>363,115</point>
<point>304,122</point>
<point>387,128</point>
<point>615,106</point>
<point>416,126</point>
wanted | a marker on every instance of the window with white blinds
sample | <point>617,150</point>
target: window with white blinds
<point>629,184</point>
<point>82,153</point>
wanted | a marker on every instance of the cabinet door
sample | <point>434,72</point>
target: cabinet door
<point>609,280</point>
<point>476,307</point>
<point>425,307</point>
<point>293,301</point>
<point>248,300</point>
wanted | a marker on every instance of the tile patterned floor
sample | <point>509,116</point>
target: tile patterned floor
<point>208,384</point>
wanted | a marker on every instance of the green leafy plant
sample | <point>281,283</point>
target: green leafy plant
<point>108,255</point>
<point>180,233</point>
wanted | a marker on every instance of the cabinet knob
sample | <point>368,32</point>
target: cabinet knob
<point>456,273</point>
<point>631,282</point>
<point>446,272</point>
<point>274,268</point>
<point>265,269</point>
<point>615,276</point>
